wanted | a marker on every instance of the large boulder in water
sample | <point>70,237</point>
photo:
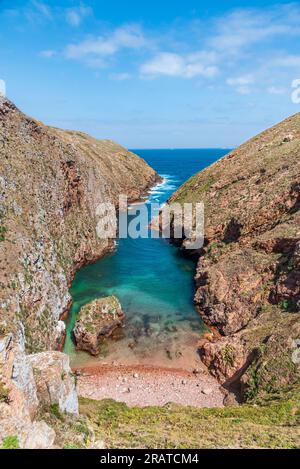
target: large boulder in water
<point>97,321</point>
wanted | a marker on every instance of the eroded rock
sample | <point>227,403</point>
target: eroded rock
<point>248,272</point>
<point>54,380</point>
<point>39,436</point>
<point>29,385</point>
<point>97,321</point>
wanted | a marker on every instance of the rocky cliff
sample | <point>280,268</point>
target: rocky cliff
<point>248,273</point>
<point>51,183</point>
<point>31,386</point>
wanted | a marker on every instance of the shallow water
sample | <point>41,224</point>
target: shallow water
<point>153,282</point>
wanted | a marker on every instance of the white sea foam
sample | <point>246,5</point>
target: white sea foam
<point>167,184</point>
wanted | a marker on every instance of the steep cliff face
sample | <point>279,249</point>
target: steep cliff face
<point>51,183</point>
<point>248,273</point>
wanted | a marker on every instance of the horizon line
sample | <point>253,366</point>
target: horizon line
<point>182,148</point>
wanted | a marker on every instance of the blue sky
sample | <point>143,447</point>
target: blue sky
<point>153,74</point>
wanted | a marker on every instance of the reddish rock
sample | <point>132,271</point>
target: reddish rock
<point>97,321</point>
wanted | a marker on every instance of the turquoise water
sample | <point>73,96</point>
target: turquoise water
<point>153,282</point>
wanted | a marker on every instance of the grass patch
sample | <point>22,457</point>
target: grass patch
<point>54,410</point>
<point>274,425</point>
<point>10,442</point>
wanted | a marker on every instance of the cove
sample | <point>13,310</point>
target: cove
<point>151,279</point>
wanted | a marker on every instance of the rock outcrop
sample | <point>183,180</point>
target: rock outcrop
<point>54,381</point>
<point>248,272</point>
<point>51,184</point>
<point>97,321</point>
<point>28,385</point>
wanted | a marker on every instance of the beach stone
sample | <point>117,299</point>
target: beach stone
<point>97,321</point>
<point>98,444</point>
<point>207,391</point>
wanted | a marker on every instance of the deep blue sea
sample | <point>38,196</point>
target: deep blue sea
<point>152,281</point>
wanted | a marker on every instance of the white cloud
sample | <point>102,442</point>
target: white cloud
<point>42,8</point>
<point>276,90</point>
<point>120,76</point>
<point>74,16</point>
<point>126,37</point>
<point>245,27</point>
<point>175,65</point>
<point>241,83</point>
<point>286,61</point>
<point>48,53</point>
<point>2,88</point>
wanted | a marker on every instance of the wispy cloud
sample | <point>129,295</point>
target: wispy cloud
<point>33,11</point>
<point>286,61</point>
<point>75,16</point>
<point>241,83</point>
<point>122,76</point>
<point>277,90</point>
<point>125,37</point>
<point>175,65</point>
<point>42,8</point>
<point>245,27</point>
<point>48,53</point>
<point>249,41</point>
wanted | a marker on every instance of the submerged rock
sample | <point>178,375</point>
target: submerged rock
<point>96,321</point>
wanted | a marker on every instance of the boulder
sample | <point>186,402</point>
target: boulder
<point>97,321</point>
<point>54,381</point>
<point>17,384</point>
<point>40,436</point>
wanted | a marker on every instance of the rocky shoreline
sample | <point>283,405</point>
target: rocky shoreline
<point>48,218</point>
<point>247,278</point>
<point>248,272</point>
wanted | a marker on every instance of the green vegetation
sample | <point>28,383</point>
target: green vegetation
<point>54,409</point>
<point>228,355</point>
<point>4,393</point>
<point>274,424</point>
<point>216,249</point>
<point>71,446</point>
<point>10,442</point>
<point>3,231</point>
<point>268,375</point>
<point>194,188</point>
